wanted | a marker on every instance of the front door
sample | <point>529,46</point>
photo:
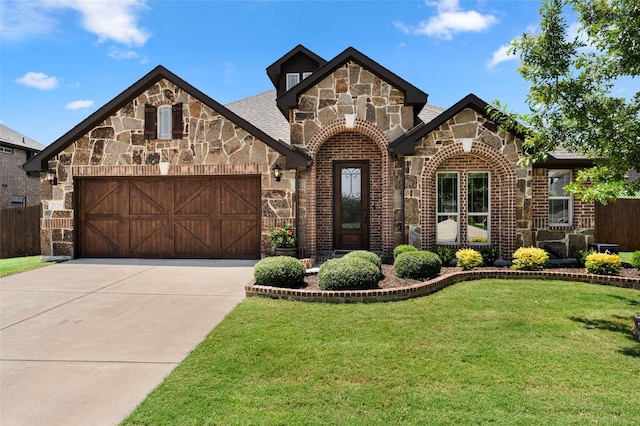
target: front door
<point>351,205</point>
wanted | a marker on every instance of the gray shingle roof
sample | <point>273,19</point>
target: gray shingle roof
<point>11,137</point>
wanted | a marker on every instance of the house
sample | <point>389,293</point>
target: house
<point>17,187</point>
<point>345,149</point>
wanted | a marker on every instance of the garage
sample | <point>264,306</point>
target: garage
<point>169,217</point>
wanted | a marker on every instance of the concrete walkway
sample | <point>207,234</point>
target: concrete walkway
<point>83,342</point>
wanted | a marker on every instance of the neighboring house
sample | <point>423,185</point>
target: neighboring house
<point>17,187</point>
<point>345,149</point>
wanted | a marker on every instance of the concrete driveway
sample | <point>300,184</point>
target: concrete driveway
<point>83,342</point>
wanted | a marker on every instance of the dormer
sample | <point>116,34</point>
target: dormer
<point>298,64</point>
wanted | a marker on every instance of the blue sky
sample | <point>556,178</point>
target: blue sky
<point>61,60</point>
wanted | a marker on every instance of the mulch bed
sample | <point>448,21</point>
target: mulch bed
<point>390,280</point>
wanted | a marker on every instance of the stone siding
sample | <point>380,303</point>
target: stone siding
<point>211,145</point>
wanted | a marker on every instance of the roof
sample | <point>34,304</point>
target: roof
<point>15,139</point>
<point>261,111</point>
<point>275,70</point>
<point>412,95</point>
<point>295,158</point>
<point>405,144</point>
<point>560,157</point>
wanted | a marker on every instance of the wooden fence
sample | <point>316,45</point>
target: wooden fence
<point>619,223</point>
<point>20,231</point>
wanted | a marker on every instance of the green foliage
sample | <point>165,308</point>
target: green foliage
<point>489,255</point>
<point>282,236</point>
<point>581,256</point>
<point>402,249</point>
<point>530,259</point>
<point>468,258</point>
<point>445,254</point>
<point>635,259</point>
<point>417,265</point>
<point>573,98</point>
<point>366,255</point>
<point>279,271</point>
<point>348,274</point>
<point>603,264</point>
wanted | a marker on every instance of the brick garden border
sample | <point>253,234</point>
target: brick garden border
<point>436,284</point>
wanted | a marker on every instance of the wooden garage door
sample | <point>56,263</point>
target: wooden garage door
<point>165,217</point>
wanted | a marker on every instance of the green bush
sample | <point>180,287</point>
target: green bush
<point>581,256</point>
<point>468,258</point>
<point>444,253</point>
<point>402,249</point>
<point>279,271</point>
<point>366,255</point>
<point>348,274</point>
<point>603,264</point>
<point>530,259</point>
<point>417,265</point>
<point>489,255</point>
<point>635,259</point>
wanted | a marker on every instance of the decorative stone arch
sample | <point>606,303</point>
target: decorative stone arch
<point>504,200</point>
<point>369,130</point>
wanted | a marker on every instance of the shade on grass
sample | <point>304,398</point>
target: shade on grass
<point>486,351</point>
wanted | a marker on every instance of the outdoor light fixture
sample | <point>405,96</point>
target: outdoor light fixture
<point>51,177</point>
<point>467,143</point>
<point>276,173</point>
<point>349,121</point>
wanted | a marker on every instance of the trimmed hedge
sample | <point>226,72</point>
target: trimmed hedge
<point>365,255</point>
<point>603,264</point>
<point>279,271</point>
<point>489,255</point>
<point>402,248</point>
<point>530,259</point>
<point>348,274</point>
<point>444,253</point>
<point>417,265</point>
<point>468,258</point>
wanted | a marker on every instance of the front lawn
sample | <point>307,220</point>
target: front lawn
<point>487,351</point>
<point>16,265</point>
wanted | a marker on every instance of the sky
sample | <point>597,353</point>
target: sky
<point>61,60</point>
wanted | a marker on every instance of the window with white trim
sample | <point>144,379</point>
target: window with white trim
<point>164,122</point>
<point>6,150</point>
<point>560,203</point>
<point>448,208</point>
<point>306,74</point>
<point>293,78</point>
<point>478,206</point>
<point>17,201</point>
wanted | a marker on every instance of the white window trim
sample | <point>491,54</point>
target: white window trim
<point>306,74</point>
<point>487,214</point>
<point>438,214</point>
<point>560,197</point>
<point>6,150</point>
<point>167,123</point>
<point>291,74</point>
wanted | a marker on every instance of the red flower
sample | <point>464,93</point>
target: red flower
<point>289,232</point>
<point>278,229</point>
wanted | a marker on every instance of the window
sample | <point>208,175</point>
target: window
<point>478,207</point>
<point>293,78</point>
<point>306,74</point>
<point>559,200</point>
<point>163,122</point>
<point>6,150</point>
<point>447,208</point>
<point>18,201</point>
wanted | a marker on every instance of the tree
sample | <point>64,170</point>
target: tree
<point>572,98</point>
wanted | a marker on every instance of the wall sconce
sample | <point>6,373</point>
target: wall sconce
<point>276,173</point>
<point>51,177</point>
<point>467,143</point>
<point>349,121</point>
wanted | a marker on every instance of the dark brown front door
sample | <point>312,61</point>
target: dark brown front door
<point>169,217</point>
<point>351,205</point>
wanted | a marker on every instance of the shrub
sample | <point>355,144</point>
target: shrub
<point>417,265</point>
<point>348,274</point>
<point>603,264</point>
<point>635,259</point>
<point>468,258</point>
<point>489,255</point>
<point>581,256</point>
<point>530,259</point>
<point>402,249</point>
<point>366,255</point>
<point>445,254</point>
<point>279,271</point>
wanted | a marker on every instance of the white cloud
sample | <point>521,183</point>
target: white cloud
<point>39,80</point>
<point>22,19</point>
<point>501,55</point>
<point>450,19</point>
<point>78,105</point>
<point>120,55</point>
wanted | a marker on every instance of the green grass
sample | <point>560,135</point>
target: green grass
<point>625,256</point>
<point>487,351</point>
<point>16,265</point>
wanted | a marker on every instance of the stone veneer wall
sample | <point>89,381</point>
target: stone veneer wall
<point>211,145</point>
<point>560,241</point>
<point>493,150</point>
